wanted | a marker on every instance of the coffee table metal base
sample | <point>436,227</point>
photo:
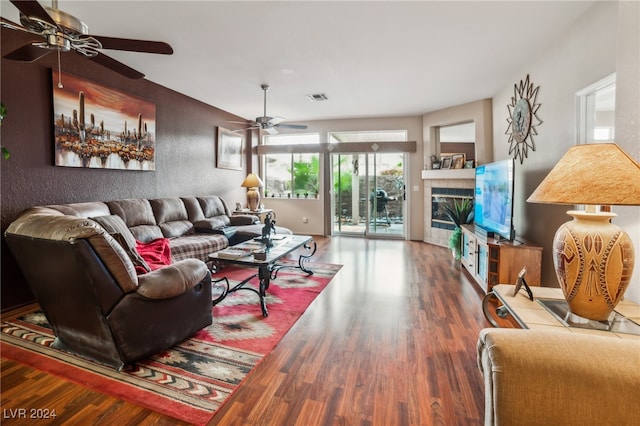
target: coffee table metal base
<point>303,259</point>
<point>266,273</point>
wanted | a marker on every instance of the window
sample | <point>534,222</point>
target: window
<point>596,109</point>
<point>294,174</point>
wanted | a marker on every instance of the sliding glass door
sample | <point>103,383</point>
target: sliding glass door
<point>368,194</point>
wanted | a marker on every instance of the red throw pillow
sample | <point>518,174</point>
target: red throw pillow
<point>156,253</point>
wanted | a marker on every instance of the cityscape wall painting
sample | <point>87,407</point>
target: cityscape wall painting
<point>100,127</point>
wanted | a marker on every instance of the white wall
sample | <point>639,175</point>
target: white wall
<point>480,112</point>
<point>586,54</point>
<point>290,213</point>
<point>628,117</point>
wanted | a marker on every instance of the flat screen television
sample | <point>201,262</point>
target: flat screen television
<point>493,203</point>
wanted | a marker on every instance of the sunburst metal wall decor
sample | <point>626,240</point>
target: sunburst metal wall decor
<point>522,112</point>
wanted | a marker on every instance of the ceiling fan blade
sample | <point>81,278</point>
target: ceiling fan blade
<point>276,120</point>
<point>131,45</point>
<point>116,66</point>
<point>244,130</point>
<point>27,53</point>
<point>33,9</point>
<point>291,126</point>
<point>271,130</point>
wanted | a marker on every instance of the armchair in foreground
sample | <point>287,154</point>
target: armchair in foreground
<point>542,377</point>
<point>87,287</point>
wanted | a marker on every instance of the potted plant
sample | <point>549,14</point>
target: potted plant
<point>459,213</point>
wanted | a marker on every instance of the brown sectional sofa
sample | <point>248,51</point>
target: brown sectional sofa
<point>84,278</point>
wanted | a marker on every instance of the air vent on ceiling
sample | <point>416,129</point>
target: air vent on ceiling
<point>317,97</point>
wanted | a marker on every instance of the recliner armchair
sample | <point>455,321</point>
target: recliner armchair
<point>544,377</point>
<point>88,289</point>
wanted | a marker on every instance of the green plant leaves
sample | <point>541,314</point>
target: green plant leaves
<point>459,213</point>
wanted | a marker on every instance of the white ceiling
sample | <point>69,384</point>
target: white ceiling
<point>371,58</point>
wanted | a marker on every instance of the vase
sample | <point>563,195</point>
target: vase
<point>593,259</point>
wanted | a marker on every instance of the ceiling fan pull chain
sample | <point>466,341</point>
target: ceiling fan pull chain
<point>60,86</point>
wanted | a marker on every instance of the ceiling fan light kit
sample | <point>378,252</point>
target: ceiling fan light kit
<point>63,32</point>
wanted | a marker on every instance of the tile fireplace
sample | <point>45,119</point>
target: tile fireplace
<point>443,186</point>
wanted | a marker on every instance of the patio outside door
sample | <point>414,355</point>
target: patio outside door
<point>368,194</point>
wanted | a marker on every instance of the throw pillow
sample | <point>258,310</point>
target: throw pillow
<point>116,227</point>
<point>157,253</point>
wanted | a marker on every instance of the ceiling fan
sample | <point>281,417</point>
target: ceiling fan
<point>63,32</point>
<point>270,124</point>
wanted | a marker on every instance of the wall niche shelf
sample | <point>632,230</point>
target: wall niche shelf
<point>449,174</point>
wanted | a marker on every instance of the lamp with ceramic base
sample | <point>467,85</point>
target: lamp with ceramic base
<point>253,183</point>
<point>593,258</point>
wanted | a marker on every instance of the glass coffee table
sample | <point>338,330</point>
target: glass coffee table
<point>255,254</point>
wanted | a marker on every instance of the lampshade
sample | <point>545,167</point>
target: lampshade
<point>596,174</point>
<point>252,181</point>
<point>593,258</point>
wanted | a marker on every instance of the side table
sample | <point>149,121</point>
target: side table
<point>259,213</point>
<point>547,311</point>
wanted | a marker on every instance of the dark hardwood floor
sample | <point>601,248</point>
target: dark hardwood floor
<point>390,341</point>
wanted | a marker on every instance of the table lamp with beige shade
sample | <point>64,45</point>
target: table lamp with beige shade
<point>253,183</point>
<point>593,258</point>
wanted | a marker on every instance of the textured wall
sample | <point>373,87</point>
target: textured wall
<point>185,149</point>
<point>585,55</point>
<point>628,119</point>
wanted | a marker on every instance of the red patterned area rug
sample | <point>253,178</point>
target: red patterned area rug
<point>189,381</point>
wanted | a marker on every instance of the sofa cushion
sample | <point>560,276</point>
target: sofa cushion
<point>213,206</point>
<point>138,216</point>
<point>116,227</point>
<point>146,232</point>
<point>116,259</point>
<point>194,211</point>
<point>174,280</point>
<point>114,224</point>
<point>198,246</point>
<point>209,225</point>
<point>171,215</point>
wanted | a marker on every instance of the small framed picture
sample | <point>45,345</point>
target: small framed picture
<point>446,162</point>
<point>457,161</point>
<point>435,164</point>
<point>229,149</point>
<point>469,164</point>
